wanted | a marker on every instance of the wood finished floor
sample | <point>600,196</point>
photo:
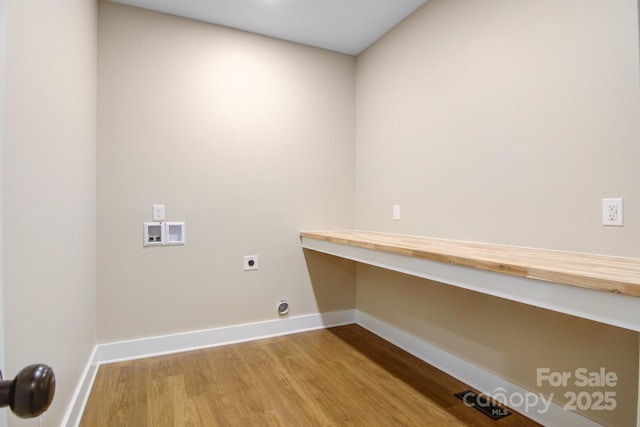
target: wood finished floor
<point>334,377</point>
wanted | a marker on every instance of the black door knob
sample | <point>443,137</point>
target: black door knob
<point>30,393</point>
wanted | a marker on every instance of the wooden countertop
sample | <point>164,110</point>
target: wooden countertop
<point>606,273</point>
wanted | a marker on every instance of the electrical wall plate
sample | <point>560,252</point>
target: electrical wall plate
<point>396,212</point>
<point>158,212</point>
<point>613,212</point>
<point>250,262</point>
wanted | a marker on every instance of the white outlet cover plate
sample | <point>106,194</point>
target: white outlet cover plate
<point>396,212</point>
<point>158,212</point>
<point>613,212</point>
<point>247,262</point>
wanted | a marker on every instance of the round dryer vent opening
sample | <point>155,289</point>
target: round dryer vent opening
<point>283,307</point>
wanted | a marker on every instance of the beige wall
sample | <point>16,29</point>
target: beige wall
<point>503,121</point>
<point>3,48</point>
<point>247,139</point>
<point>507,338</point>
<point>528,106</point>
<point>506,122</point>
<point>49,191</point>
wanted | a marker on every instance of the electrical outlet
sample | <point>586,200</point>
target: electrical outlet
<point>612,212</point>
<point>251,262</point>
<point>396,212</point>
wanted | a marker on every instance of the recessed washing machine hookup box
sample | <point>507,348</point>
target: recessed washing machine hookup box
<point>154,233</point>
<point>174,232</point>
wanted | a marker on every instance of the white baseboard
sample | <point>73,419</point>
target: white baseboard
<point>472,375</point>
<point>81,394</point>
<point>466,372</point>
<point>155,346</point>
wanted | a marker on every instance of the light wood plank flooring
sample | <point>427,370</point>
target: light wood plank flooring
<point>334,377</point>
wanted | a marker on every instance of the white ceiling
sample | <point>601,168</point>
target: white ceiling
<point>347,26</point>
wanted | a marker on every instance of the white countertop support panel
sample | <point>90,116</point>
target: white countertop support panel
<point>605,307</point>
